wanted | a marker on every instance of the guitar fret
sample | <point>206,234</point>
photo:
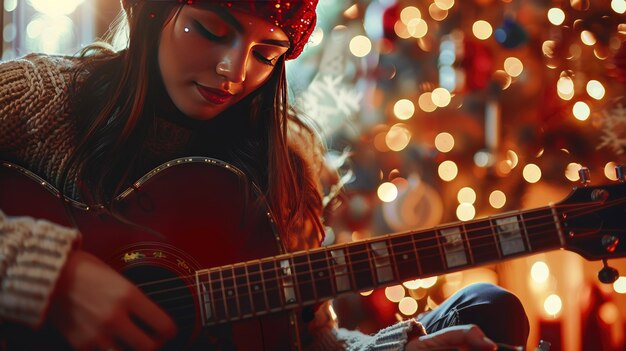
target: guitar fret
<point>544,233</point>
<point>360,264</point>
<point>217,294</point>
<point>405,257</point>
<point>303,276</point>
<point>273,292</point>
<point>430,253</point>
<point>203,289</point>
<point>230,293</point>
<point>525,232</point>
<point>257,287</point>
<point>320,269</point>
<point>341,271</point>
<point>482,241</point>
<point>289,288</point>
<point>509,235</point>
<point>453,247</point>
<point>379,253</point>
<point>242,287</point>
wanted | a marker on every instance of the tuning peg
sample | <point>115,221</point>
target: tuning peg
<point>619,172</point>
<point>607,274</point>
<point>585,175</point>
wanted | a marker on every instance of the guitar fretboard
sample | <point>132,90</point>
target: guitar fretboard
<point>287,281</point>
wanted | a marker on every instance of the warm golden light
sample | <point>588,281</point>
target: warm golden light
<point>417,28</point>
<point>620,285</point>
<point>581,111</point>
<point>413,284</point>
<point>571,171</point>
<point>609,171</point>
<point>398,137</point>
<point>401,30</point>
<point>497,199</point>
<point>482,29</point>
<point>540,272</point>
<point>565,87</point>
<point>407,306</point>
<point>410,13</point>
<point>466,195</point>
<point>552,305</point>
<point>441,97</point>
<point>465,212</point>
<point>532,173</point>
<point>425,102</point>
<point>366,292</point>
<point>512,157</point>
<point>404,109</point>
<point>448,170</point>
<point>609,313</point>
<point>387,192</point>
<point>429,282</point>
<point>444,4</point>
<point>556,16</point>
<point>360,46</point>
<point>587,38</point>
<point>444,142</point>
<point>394,293</point>
<point>595,89</point>
<point>513,66</point>
<point>437,13</point>
<point>618,6</point>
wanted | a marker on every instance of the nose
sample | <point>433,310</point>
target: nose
<point>233,65</point>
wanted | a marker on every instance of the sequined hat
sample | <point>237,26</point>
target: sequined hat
<point>296,18</point>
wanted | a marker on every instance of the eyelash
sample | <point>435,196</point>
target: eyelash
<point>207,34</point>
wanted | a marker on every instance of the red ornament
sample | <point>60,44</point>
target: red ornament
<point>617,65</point>
<point>391,15</point>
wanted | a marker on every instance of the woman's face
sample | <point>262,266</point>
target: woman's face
<point>211,58</point>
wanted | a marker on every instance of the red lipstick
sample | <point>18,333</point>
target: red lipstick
<point>214,96</point>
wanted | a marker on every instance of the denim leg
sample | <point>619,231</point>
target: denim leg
<point>497,312</point>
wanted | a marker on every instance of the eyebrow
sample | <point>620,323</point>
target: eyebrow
<point>238,27</point>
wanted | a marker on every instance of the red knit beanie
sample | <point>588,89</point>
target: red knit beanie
<point>296,18</point>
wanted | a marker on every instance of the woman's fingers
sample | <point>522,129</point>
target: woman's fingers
<point>463,337</point>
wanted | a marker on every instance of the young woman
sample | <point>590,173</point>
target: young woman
<point>203,77</point>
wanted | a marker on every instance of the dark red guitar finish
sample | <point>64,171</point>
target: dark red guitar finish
<point>203,221</point>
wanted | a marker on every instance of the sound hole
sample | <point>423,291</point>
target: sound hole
<point>171,293</point>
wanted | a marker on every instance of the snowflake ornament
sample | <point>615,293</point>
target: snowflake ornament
<point>614,129</point>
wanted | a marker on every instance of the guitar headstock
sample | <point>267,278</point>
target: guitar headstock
<point>593,220</point>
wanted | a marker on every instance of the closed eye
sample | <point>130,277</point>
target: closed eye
<point>265,60</point>
<point>206,33</point>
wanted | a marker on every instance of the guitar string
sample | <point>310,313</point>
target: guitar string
<point>277,271</point>
<point>245,294</point>
<point>413,235</point>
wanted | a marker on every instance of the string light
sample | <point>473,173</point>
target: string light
<point>497,199</point>
<point>552,304</point>
<point>482,29</point>
<point>360,46</point>
<point>444,142</point>
<point>540,272</point>
<point>387,192</point>
<point>448,170</point>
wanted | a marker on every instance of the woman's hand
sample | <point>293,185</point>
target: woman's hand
<point>94,307</point>
<point>460,337</point>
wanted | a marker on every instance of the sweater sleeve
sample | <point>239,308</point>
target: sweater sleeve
<point>35,133</point>
<point>32,254</point>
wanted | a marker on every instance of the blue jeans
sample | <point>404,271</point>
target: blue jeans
<point>496,311</point>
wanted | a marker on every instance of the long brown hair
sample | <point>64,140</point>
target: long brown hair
<point>114,97</point>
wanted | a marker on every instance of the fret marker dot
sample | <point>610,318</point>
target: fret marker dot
<point>230,293</point>
<point>405,256</point>
<point>256,287</point>
<point>321,274</point>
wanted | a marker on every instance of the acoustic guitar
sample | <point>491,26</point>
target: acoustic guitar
<point>198,238</point>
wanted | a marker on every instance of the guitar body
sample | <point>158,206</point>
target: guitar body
<point>192,214</point>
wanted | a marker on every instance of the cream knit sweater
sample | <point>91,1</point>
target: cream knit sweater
<point>37,132</point>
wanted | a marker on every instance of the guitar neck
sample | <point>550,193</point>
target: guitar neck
<point>258,287</point>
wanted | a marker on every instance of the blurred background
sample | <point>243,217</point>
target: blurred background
<point>449,111</point>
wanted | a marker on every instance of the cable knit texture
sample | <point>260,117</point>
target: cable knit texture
<point>37,131</point>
